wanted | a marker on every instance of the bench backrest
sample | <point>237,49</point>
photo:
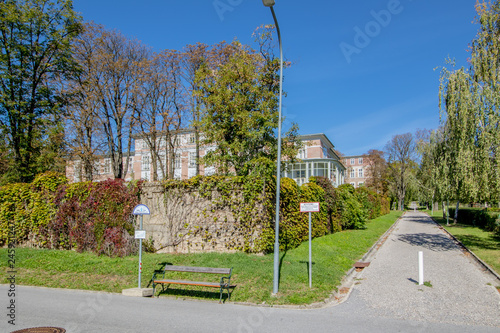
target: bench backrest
<point>191,269</point>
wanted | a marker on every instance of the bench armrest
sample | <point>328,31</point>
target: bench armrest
<point>222,280</point>
<point>158,271</point>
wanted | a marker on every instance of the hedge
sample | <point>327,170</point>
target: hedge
<point>97,216</point>
<point>487,219</point>
<point>51,213</point>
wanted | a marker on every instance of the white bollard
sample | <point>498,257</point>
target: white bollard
<point>420,268</point>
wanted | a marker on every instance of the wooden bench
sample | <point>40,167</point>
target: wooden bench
<point>224,282</point>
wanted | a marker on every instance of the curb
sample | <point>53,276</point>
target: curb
<point>484,266</point>
<point>346,285</point>
<point>336,298</point>
<point>348,280</point>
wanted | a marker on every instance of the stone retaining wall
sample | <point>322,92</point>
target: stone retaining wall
<point>183,221</point>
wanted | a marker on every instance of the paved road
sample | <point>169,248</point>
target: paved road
<point>384,299</point>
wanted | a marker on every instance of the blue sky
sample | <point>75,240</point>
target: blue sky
<point>363,71</point>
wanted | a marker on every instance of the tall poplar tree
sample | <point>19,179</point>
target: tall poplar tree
<point>470,101</point>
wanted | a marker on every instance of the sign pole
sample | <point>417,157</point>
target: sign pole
<point>140,234</point>
<point>309,207</point>
<point>140,255</point>
<point>310,251</point>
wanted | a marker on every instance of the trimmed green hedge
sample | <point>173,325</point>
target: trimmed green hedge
<point>484,218</point>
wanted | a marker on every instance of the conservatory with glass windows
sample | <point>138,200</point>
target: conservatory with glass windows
<point>318,158</point>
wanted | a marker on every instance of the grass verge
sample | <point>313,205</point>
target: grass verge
<point>485,244</point>
<point>332,256</point>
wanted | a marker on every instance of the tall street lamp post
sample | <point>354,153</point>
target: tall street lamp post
<point>270,4</point>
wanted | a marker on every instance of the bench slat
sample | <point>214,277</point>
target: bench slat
<point>193,283</point>
<point>192,269</point>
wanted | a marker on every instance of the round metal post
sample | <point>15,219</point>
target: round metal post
<point>140,255</point>
<point>278,172</point>
<point>310,252</point>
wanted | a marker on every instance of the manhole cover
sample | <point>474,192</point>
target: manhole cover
<point>41,330</point>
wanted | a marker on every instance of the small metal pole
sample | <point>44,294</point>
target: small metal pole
<point>310,250</point>
<point>140,255</point>
<point>420,268</point>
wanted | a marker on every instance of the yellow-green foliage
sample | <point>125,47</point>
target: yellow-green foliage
<point>30,206</point>
<point>43,190</point>
<point>14,202</point>
<point>294,225</point>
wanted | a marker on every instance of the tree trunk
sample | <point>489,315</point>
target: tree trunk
<point>455,219</point>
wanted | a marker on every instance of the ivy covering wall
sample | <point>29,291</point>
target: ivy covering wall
<point>51,213</point>
<point>97,216</point>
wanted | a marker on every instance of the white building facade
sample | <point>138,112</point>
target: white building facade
<point>318,158</point>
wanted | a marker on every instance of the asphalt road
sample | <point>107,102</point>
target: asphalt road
<point>383,299</point>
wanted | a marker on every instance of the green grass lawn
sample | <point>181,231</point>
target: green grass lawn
<point>332,257</point>
<point>485,244</point>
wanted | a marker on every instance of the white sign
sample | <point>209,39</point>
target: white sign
<point>140,234</point>
<point>141,210</point>
<point>308,207</point>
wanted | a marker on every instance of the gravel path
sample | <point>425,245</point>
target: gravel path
<point>460,292</point>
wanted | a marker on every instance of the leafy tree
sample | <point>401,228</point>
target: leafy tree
<point>433,174</point>
<point>192,58</point>
<point>84,134</point>
<point>35,37</point>
<point>240,115</point>
<point>113,67</point>
<point>401,152</point>
<point>461,124</point>
<point>159,110</point>
<point>470,100</point>
<point>376,172</point>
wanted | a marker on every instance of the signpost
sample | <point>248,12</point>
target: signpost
<point>309,207</point>
<point>140,234</point>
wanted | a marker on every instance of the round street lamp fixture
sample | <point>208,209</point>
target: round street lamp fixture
<point>268,3</point>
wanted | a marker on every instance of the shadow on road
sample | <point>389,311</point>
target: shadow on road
<point>430,241</point>
<point>419,219</point>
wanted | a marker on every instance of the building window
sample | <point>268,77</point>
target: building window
<point>320,169</point>
<point>97,167</point>
<point>352,173</point>
<point>298,170</point>
<point>130,164</point>
<point>161,142</point>
<point>360,160</point>
<point>361,184</point>
<point>177,161</point>
<point>325,153</point>
<point>77,171</point>
<point>360,173</point>
<point>107,166</point>
<point>302,153</point>
<point>352,161</point>
<point>145,163</point>
<point>192,160</point>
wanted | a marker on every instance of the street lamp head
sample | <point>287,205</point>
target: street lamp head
<point>268,3</point>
